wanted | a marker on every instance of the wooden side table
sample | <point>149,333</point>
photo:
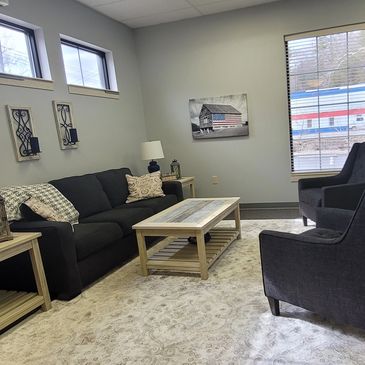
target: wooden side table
<point>188,181</point>
<point>14,305</point>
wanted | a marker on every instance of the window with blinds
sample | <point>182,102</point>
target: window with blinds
<point>326,91</point>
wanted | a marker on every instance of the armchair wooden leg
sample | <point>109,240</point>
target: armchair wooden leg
<point>305,220</point>
<point>274,306</point>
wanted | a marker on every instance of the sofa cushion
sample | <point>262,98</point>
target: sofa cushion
<point>93,237</point>
<point>85,192</point>
<point>312,197</point>
<point>115,185</point>
<point>124,217</point>
<point>156,204</point>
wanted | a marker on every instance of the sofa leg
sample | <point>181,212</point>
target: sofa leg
<point>274,306</point>
<point>305,220</point>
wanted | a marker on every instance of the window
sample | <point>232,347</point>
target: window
<point>18,51</point>
<point>326,81</point>
<point>85,66</point>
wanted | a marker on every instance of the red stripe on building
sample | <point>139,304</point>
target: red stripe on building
<point>336,113</point>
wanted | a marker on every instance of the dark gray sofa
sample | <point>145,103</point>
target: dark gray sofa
<point>101,241</point>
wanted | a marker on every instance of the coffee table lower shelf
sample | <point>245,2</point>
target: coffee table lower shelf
<point>180,256</point>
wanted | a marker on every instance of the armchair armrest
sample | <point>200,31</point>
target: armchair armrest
<point>345,196</point>
<point>318,182</point>
<point>334,218</point>
<point>295,266</point>
<point>58,255</point>
<point>173,187</point>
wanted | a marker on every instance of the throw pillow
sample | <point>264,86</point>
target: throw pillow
<point>43,210</point>
<point>144,187</point>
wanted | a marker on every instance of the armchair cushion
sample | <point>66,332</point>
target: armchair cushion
<point>322,233</point>
<point>334,218</point>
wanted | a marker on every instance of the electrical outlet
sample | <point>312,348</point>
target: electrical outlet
<point>215,180</point>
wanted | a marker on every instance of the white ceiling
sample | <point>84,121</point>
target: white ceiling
<point>141,13</point>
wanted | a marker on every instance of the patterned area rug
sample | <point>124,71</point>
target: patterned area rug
<point>129,319</point>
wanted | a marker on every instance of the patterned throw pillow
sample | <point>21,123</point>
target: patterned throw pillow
<point>144,187</point>
<point>43,210</point>
<point>16,195</point>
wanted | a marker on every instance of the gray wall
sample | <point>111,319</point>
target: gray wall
<point>110,131</point>
<point>235,52</point>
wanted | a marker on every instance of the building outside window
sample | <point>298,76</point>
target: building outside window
<point>326,74</point>
<point>84,66</point>
<point>18,51</point>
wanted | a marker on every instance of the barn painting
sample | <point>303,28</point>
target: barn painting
<point>217,117</point>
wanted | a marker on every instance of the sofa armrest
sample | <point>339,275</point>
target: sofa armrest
<point>345,196</point>
<point>334,218</point>
<point>173,187</point>
<point>58,255</point>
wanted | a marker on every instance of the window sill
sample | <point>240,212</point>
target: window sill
<point>90,91</point>
<point>295,176</point>
<point>33,83</point>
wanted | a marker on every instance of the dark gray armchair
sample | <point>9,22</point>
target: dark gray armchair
<point>321,270</point>
<point>340,191</point>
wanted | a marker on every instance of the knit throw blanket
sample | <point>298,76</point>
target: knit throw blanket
<point>16,195</point>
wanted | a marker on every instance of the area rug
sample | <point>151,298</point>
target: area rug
<point>129,319</point>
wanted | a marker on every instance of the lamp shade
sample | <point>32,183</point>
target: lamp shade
<point>151,150</point>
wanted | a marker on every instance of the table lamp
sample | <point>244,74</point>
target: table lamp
<point>152,151</point>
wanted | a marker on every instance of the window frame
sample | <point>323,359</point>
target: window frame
<point>101,54</point>
<point>295,174</point>
<point>31,38</point>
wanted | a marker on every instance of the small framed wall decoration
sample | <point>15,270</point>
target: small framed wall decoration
<point>26,145</point>
<point>67,132</point>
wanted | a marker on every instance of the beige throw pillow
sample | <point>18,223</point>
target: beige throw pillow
<point>144,187</point>
<point>43,210</point>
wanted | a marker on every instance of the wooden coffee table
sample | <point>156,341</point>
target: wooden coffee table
<point>189,218</point>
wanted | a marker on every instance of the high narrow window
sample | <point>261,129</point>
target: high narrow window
<point>326,81</point>
<point>18,51</point>
<point>84,66</point>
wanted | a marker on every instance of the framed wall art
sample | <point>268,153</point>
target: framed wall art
<point>67,132</point>
<point>21,125</point>
<point>219,117</point>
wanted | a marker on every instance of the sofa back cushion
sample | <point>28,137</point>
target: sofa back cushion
<point>85,193</point>
<point>115,185</point>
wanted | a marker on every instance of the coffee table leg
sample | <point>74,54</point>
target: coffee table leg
<point>142,253</point>
<point>237,218</point>
<point>202,256</point>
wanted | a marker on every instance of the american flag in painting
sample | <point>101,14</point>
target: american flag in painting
<point>226,120</point>
<point>217,116</point>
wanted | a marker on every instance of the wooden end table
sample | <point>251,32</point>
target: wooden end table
<point>188,181</point>
<point>189,218</point>
<point>13,304</point>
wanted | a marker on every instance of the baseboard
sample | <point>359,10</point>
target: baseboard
<point>280,205</point>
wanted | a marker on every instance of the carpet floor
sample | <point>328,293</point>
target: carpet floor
<point>129,319</point>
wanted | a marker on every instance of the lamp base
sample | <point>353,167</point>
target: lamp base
<point>153,167</point>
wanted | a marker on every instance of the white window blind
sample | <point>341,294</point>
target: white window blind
<point>326,91</point>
